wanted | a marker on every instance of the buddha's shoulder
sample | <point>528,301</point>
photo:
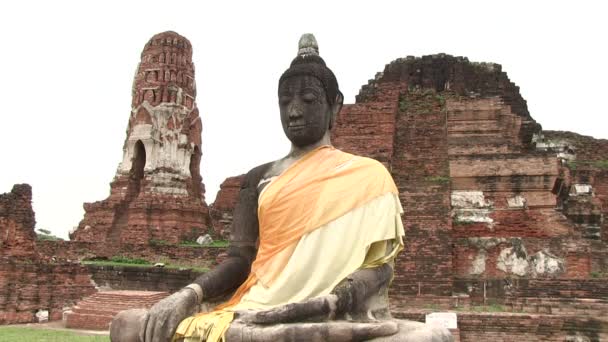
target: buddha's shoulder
<point>253,177</point>
<point>372,165</point>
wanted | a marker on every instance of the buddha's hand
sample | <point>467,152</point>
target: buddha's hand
<point>317,309</point>
<point>165,316</point>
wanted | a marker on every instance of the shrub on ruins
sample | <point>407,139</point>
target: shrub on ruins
<point>45,235</point>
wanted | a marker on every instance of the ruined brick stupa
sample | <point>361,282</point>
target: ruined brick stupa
<point>157,193</point>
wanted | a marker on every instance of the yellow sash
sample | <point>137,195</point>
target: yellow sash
<point>323,185</point>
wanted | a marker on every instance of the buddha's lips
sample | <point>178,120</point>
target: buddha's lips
<point>296,127</point>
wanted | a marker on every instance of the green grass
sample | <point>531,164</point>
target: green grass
<point>488,308</point>
<point>483,308</point>
<point>215,243</point>
<point>22,334</point>
<point>126,260</point>
<point>159,242</point>
<point>433,307</point>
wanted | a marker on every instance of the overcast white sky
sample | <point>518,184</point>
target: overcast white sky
<point>68,67</point>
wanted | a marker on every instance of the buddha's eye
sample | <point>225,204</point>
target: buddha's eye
<point>309,97</point>
<point>284,99</point>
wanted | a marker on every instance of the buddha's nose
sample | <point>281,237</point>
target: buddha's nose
<point>294,111</point>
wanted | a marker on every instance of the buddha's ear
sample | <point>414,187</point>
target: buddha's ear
<point>335,109</point>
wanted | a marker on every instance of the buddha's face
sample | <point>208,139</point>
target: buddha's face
<point>305,112</point>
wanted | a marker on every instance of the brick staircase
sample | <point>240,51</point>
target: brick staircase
<point>96,312</point>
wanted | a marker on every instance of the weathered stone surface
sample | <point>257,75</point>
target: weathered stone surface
<point>157,193</point>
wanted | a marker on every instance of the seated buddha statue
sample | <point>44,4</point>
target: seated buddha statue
<point>313,241</point>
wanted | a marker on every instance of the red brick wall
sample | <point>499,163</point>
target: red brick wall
<point>225,201</point>
<point>420,169</point>
<point>367,129</point>
<point>28,287</point>
<point>17,220</point>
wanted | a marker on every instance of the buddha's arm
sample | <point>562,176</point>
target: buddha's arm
<point>355,291</point>
<point>231,273</point>
<point>351,296</point>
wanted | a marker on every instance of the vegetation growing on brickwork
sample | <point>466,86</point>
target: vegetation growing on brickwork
<point>438,179</point>
<point>602,164</point>
<point>571,164</point>
<point>24,334</point>
<point>574,164</point>
<point>425,100</point>
<point>596,274</point>
<point>402,103</point>
<point>156,242</point>
<point>457,222</point>
<point>441,99</point>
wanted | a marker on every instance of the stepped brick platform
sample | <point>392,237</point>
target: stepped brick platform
<point>96,312</point>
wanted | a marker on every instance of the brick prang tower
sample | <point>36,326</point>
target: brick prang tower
<point>157,193</point>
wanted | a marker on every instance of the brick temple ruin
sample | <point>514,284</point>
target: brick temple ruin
<point>31,282</point>
<point>157,193</point>
<point>488,197</point>
<point>496,209</point>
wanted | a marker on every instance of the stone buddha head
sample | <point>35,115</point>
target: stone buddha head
<point>309,97</point>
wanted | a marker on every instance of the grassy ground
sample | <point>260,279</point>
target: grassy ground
<point>22,334</point>
<point>215,243</point>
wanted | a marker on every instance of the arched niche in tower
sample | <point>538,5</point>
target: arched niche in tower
<point>139,161</point>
